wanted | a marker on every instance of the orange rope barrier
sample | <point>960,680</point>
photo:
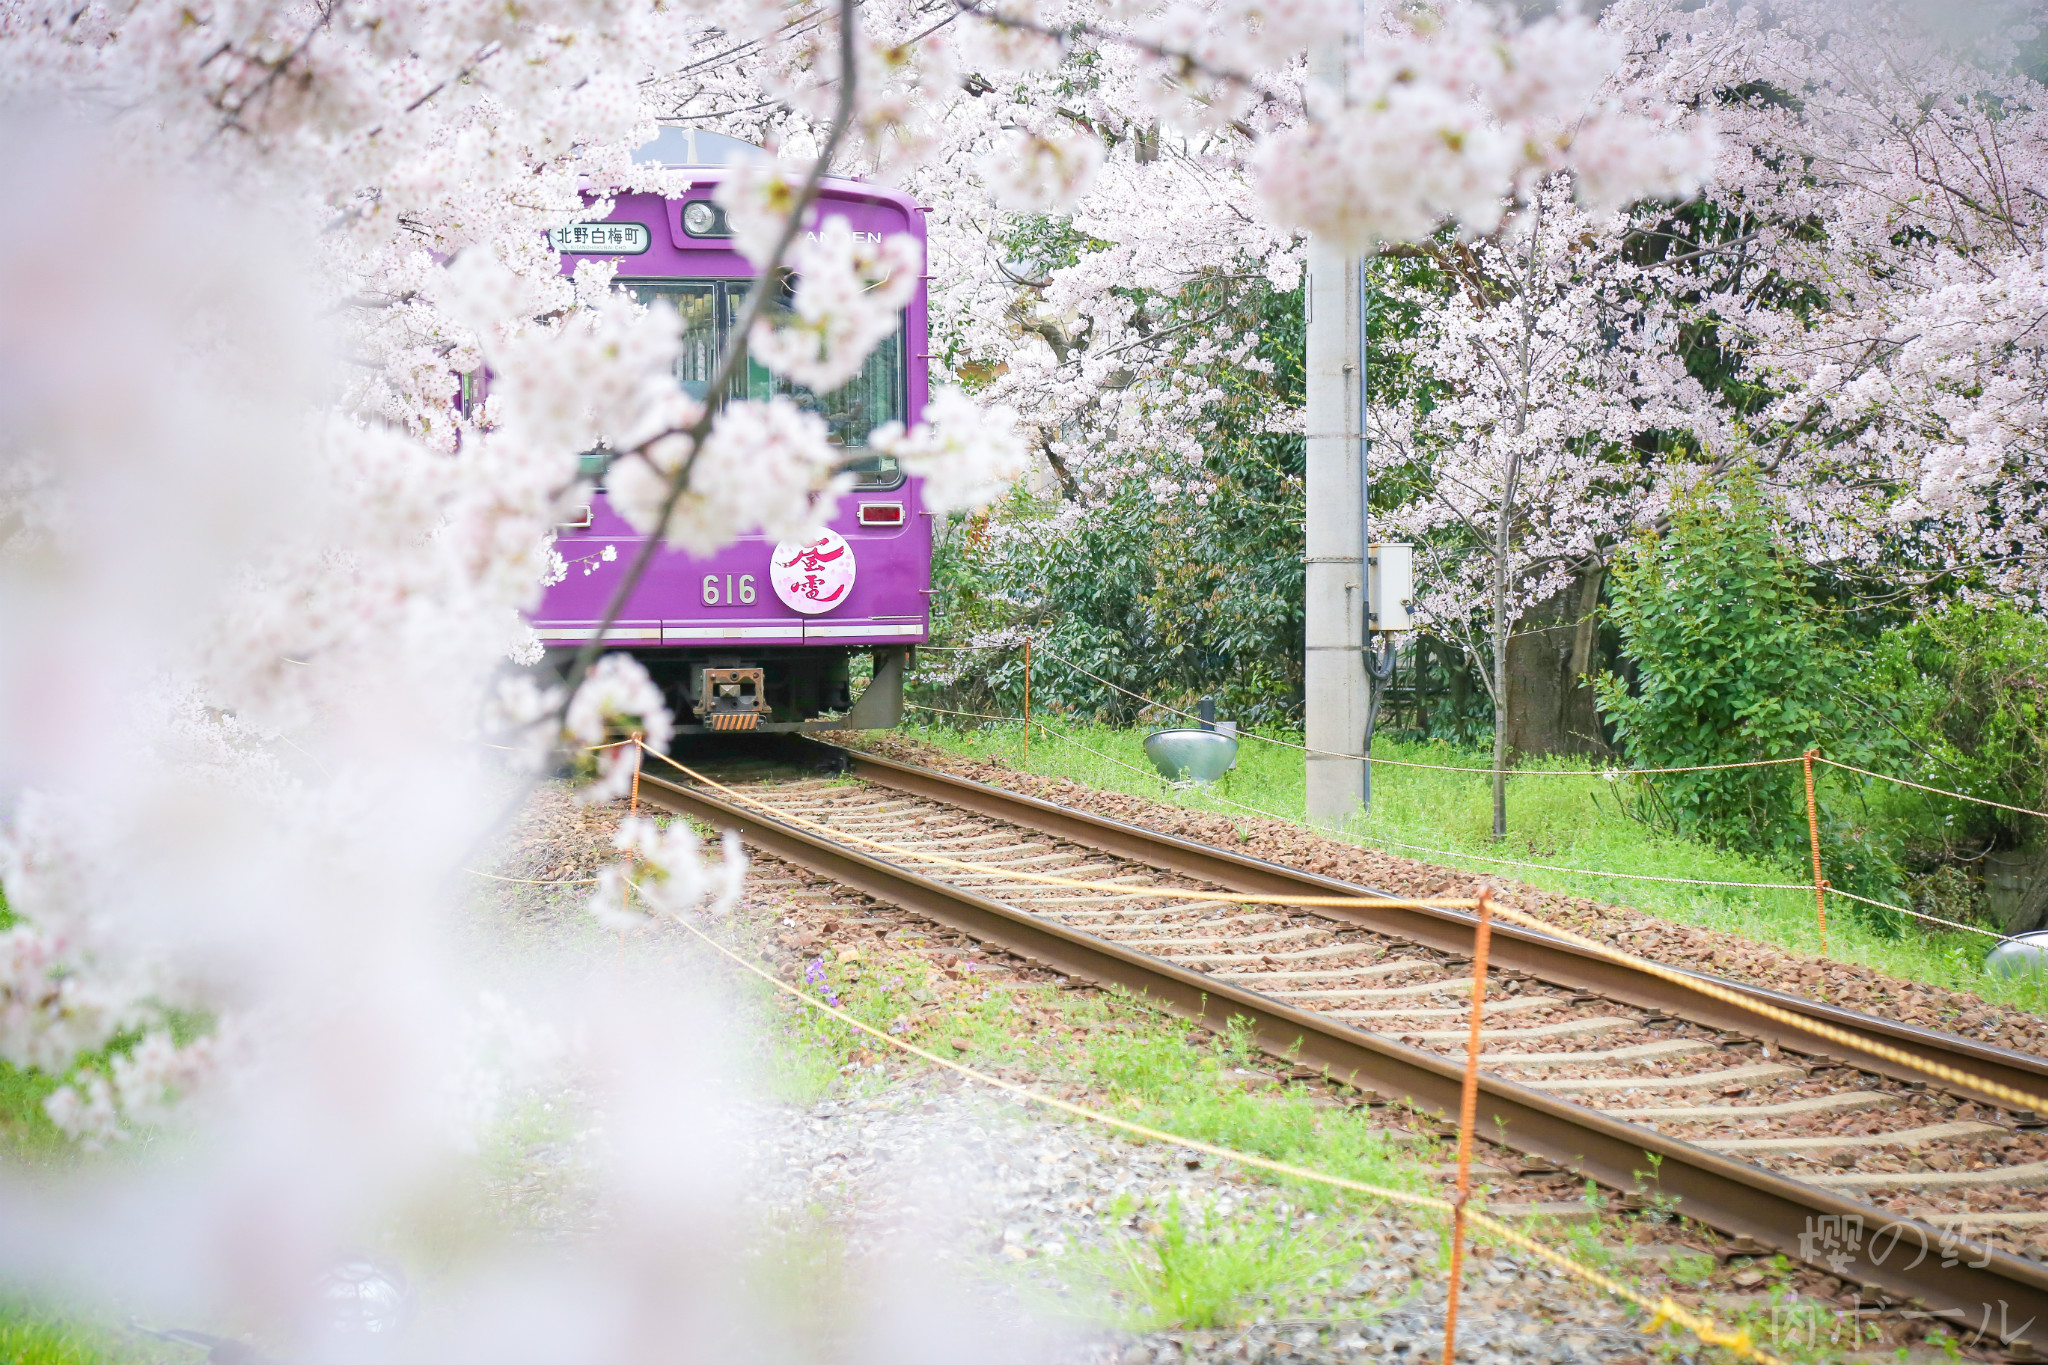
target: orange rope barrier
<point>2019,1099</point>
<point>1403,763</point>
<point>1468,1116</point>
<point>1609,773</point>
<point>2016,1098</point>
<point>633,807</point>
<point>972,715</point>
<point>1381,840</point>
<point>1839,894</point>
<point>1938,791</point>
<point>1662,1310</point>
<point>587,749</point>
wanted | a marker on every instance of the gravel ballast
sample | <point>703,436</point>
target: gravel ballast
<point>1024,1195</point>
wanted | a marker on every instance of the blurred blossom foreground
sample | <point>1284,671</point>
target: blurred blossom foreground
<point>268,690</point>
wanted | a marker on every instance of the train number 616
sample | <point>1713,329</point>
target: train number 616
<point>745,596</point>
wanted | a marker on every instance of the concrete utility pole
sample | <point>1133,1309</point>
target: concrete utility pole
<point>1334,671</point>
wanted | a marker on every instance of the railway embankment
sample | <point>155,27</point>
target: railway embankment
<point>1719,951</point>
<point>1018,1022</point>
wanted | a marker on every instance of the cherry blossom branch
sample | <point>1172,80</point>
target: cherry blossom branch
<point>728,363</point>
<point>231,115</point>
<point>469,68</point>
<point>803,23</point>
<point>1187,62</point>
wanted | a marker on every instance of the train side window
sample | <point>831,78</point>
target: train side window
<point>877,472</point>
<point>873,396</point>
<point>696,303</point>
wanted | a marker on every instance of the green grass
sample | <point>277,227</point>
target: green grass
<point>1146,1067</point>
<point>39,1334</point>
<point>1286,1250</point>
<point>1557,822</point>
<point>26,1133</point>
<point>1211,1265</point>
<point>1154,1069</point>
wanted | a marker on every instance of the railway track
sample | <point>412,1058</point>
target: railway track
<point>1833,1156</point>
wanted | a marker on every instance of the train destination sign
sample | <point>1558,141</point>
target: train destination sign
<point>601,239</point>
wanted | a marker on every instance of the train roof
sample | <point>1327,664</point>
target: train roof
<point>694,147</point>
<point>690,148</point>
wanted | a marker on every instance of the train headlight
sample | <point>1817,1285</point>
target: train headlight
<point>702,218</point>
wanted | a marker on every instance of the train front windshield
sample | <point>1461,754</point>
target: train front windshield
<point>709,309</point>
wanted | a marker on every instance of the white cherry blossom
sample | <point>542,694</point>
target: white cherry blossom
<point>966,454</point>
<point>849,294</point>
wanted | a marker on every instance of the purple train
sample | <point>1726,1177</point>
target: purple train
<point>759,636</point>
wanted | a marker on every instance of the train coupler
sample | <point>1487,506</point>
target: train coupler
<point>732,698</point>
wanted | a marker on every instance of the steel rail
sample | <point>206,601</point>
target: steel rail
<point>1452,931</point>
<point>1991,1292</point>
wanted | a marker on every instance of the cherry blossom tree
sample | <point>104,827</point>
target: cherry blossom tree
<point>1541,411</point>
<point>261,568</point>
<point>1872,268</point>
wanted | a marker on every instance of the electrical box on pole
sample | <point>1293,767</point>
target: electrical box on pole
<point>1389,587</point>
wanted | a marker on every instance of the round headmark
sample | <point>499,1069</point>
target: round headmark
<point>812,576</point>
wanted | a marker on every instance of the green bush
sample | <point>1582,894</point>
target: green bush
<point>1971,704</point>
<point>1736,660</point>
<point>1972,691</point>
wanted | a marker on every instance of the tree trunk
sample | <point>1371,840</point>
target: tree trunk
<point>1459,668</point>
<point>1503,534</point>
<point>1500,668</point>
<point>1553,650</point>
<point>1424,652</point>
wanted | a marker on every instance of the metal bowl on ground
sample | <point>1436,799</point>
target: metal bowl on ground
<point>364,1298</point>
<point>2022,955</point>
<point>1203,755</point>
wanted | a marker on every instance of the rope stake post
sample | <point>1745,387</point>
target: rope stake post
<point>633,808</point>
<point>1468,1116</point>
<point>1820,902</point>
